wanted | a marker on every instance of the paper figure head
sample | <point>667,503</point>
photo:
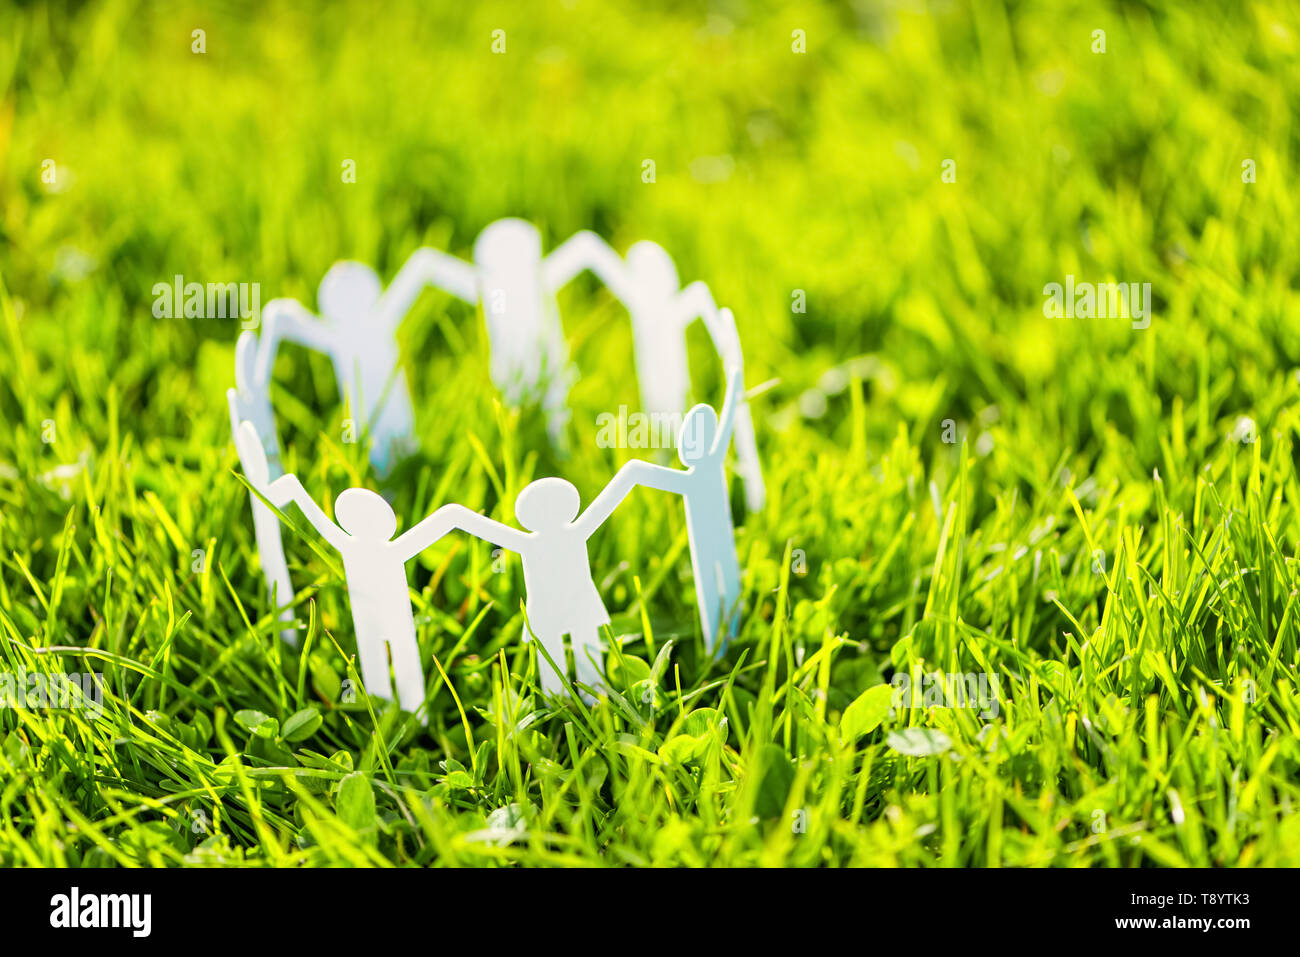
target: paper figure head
<point>653,268</point>
<point>508,242</point>
<point>547,504</point>
<point>348,292</point>
<point>364,514</point>
<point>699,429</point>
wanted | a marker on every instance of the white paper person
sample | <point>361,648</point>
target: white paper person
<point>702,448</point>
<point>250,400</point>
<point>661,313</point>
<point>374,564</point>
<point>561,598</point>
<point>530,356</point>
<point>358,331</point>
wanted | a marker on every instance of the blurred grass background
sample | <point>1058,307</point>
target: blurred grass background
<point>775,172</point>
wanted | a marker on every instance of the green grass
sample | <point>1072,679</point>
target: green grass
<point>1149,712</point>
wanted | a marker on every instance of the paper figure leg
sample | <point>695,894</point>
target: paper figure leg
<point>270,547</point>
<point>747,459</point>
<point>373,655</point>
<point>410,677</point>
<point>551,678</point>
<point>588,653</point>
<point>708,597</point>
<point>728,597</point>
<point>717,590</point>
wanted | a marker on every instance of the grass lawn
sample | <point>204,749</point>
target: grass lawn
<point>1100,519</point>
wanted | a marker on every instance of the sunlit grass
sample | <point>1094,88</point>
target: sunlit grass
<point>1100,535</point>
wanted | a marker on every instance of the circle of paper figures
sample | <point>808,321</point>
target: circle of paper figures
<point>516,286</point>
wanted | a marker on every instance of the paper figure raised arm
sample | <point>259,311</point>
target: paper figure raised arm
<point>375,568</point>
<point>702,447</point>
<point>249,401</point>
<point>585,251</point>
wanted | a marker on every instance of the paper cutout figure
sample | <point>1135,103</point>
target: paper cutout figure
<point>358,332</point>
<point>251,400</point>
<point>660,316</point>
<point>374,564</point>
<point>662,371</point>
<point>529,352</point>
<point>562,598</point>
<point>518,287</point>
<point>702,448</point>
